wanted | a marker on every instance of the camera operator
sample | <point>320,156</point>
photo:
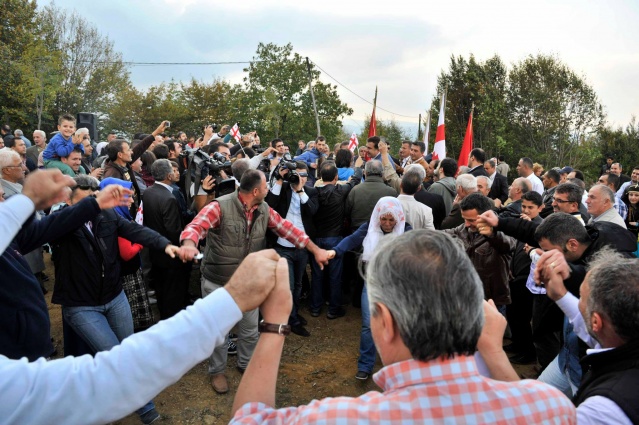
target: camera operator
<point>298,204</point>
<point>278,145</point>
<point>206,191</point>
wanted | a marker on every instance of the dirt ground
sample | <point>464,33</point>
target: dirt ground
<point>322,365</point>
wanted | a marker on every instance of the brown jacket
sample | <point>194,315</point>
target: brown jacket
<point>491,258</point>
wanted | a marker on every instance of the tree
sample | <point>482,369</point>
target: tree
<point>553,111</point>
<point>93,74</point>
<point>389,130</point>
<point>470,82</point>
<point>277,101</point>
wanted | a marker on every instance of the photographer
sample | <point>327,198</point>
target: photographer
<point>212,177</point>
<point>298,204</point>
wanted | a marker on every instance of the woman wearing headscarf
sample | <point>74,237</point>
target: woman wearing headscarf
<point>631,199</point>
<point>130,271</point>
<point>387,218</point>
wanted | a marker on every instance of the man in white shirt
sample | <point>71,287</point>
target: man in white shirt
<point>524,168</point>
<point>418,215</point>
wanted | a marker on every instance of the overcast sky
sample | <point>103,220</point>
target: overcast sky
<point>400,46</point>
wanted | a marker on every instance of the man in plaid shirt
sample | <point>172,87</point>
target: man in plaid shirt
<point>234,226</point>
<point>426,318</point>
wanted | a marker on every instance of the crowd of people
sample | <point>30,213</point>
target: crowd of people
<point>451,258</point>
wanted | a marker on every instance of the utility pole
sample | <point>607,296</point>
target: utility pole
<point>310,85</point>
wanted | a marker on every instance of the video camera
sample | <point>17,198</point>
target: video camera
<point>201,165</point>
<point>287,163</point>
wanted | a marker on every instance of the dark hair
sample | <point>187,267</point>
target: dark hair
<point>147,159</point>
<point>114,148</point>
<point>301,165</point>
<point>411,182</point>
<point>479,155</point>
<point>250,180</point>
<point>574,192</point>
<point>420,145</point>
<point>215,147</point>
<point>475,201</point>
<point>501,158</point>
<point>344,145</point>
<point>374,140</point>
<point>9,141</point>
<point>76,148</point>
<point>408,142</point>
<point>558,228</point>
<point>170,143</point>
<point>553,175</point>
<point>449,166</point>
<point>328,171</point>
<point>533,197</point>
<point>343,158</point>
<point>614,180</point>
<point>161,151</point>
<point>320,138</point>
<point>579,175</point>
<point>66,117</point>
<point>239,167</point>
<point>527,162</point>
<point>274,142</point>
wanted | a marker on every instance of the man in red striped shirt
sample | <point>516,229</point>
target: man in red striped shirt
<point>234,226</point>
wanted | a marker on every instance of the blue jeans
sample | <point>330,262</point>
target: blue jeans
<point>334,272</point>
<point>366,360</point>
<point>103,327</point>
<point>553,375</point>
<point>297,259</point>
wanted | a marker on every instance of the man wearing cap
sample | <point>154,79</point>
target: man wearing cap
<point>563,173</point>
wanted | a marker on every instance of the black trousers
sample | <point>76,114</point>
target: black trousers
<point>171,287</point>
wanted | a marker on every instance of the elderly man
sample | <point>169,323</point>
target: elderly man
<point>39,143</point>
<point>465,185</point>
<point>418,215</point>
<point>519,187</point>
<point>600,202</point>
<point>436,377</point>
<point>483,185</point>
<point>13,172</point>
<point>612,182</point>
<point>524,168</point>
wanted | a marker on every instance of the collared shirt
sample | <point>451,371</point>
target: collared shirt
<point>294,214</point>
<point>437,391</point>
<point>169,188</point>
<point>621,207</point>
<point>609,215</point>
<point>537,185</point>
<point>210,217</point>
<point>492,177</point>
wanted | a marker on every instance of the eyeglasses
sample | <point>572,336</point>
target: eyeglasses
<point>561,201</point>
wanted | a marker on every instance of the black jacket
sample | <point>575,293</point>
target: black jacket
<point>162,214</point>
<point>435,202</point>
<point>24,316</point>
<point>87,263</point>
<point>478,171</point>
<point>499,188</point>
<point>281,203</point>
<point>612,374</point>
<point>329,219</point>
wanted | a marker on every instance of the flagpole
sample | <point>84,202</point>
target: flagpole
<point>310,85</point>
<point>419,127</point>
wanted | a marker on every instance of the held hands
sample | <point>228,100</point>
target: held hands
<point>331,254</point>
<point>489,218</point>
<point>278,304</point>
<point>552,269</point>
<point>187,251</point>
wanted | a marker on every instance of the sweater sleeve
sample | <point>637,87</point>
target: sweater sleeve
<point>128,249</point>
<point>353,241</point>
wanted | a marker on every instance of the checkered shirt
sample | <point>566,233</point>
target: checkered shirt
<point>210,217</point>
<point>436,392</point>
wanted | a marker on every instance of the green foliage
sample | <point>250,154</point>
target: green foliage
<point>390,130</point>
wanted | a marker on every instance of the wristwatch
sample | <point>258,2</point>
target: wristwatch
<point>283,330</point>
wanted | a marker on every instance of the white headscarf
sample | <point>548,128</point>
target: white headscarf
<point>386,205</point>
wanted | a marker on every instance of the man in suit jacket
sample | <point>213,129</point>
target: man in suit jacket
<point>162,214</point>
<point>499,187</point>
<point>298,204</point>
<point>476,161</point>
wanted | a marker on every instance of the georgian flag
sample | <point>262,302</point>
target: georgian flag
<point>439,151</point>
<point>353,142</point>
<point>235,132</point>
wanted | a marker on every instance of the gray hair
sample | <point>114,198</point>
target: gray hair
<point>416,168</point>
<point>239,167</point>
<point>41,133</point>
<point>7,156</point>
<point>491,162</point>
<point>374,168</point>
<point>489,184</point>
<point>468,182</point>
<point>81,130</point>
<point>431,288</point>
<point>161,169</point>
<point>463,170</point>
<point>18,133</point>
<point>614,291</point>
<point>606,192</point>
